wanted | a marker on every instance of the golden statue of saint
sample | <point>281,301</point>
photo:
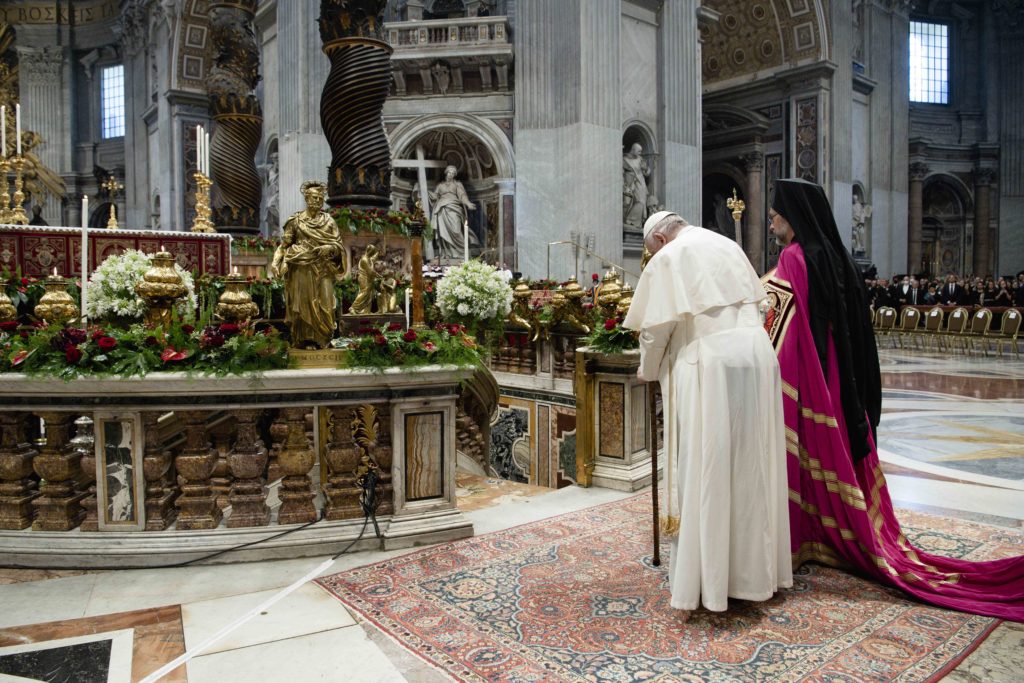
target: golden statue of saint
<point>367,278</point>
<point>310,257</point>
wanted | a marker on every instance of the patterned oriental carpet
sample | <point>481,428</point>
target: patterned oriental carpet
<point>575,598</point>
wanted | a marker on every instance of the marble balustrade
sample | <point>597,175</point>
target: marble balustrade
<point>171,467</point>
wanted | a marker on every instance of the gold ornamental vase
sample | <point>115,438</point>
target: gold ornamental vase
<point>161,287</point>
<point>7,309</point>
<point>235,305</point>
<point>610,291</point>
<point>625,300</point>
<point>56,306</point>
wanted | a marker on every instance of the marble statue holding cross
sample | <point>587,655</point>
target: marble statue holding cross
<point>421,192</point>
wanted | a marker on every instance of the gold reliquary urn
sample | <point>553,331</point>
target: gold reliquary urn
<point>56,306</point>
<point>7,309</point>
<point>235,305</point>
<point>161,287</point>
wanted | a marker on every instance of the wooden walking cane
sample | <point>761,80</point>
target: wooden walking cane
<point>652,409</point>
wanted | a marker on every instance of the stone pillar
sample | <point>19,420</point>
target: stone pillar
<point>156,467</point>
<point>247,460</point>
<point>296,459</point>
<point>679,101</point>
<point>983,179</point>
<point>238,116</point>
<point>506,224</point>
<point>44,92</point>
<point>352,32</point>
<point>134,23</point>
<point>59,506</point>
<point>17,489</point>
<point>754,235</point>
<point>341,491</point>
<point>918,172</point>
<point>84,444</point>
<point>197,502</point>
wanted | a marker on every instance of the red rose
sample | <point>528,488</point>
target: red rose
<point>97,334</point>
<point>394,327</point>
<point>188,329</point>
<point>106,343</point>
<point>24,282</point>
<point>409,336</point>
<point>72,354</point>
<point>151,341</point>
<point>9,326</point>
<point>379,340</point>
<point>212,341</point>
<point>24,334</point>
<point>610,324</point>
<point>228,329</point>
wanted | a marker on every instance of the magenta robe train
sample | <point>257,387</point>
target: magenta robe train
<point>840,512</point>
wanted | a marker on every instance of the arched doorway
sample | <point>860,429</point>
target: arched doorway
<point>945,235</point>
<point>716,191</point>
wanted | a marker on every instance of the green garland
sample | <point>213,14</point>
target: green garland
<point>612,337</point>
<point>386,347</point>
<point>68,353</point>
<point>377,221</point>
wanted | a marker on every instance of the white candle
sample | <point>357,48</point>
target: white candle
<point>199,149</point>
<point>234,270</point>
<point>85,250</point>
<point>17,127</point>
<point>465,241</point>
<point>406,308</point>
<point>3,131</point>
<point>206,151</point>
<point>55,271</point>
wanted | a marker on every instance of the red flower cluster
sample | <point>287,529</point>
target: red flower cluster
<point>409,336</point>
<point>72,354</point>
<point>9,326</point>
<point>379,340</point>
<point>394,327</point>
<point>610,324</point>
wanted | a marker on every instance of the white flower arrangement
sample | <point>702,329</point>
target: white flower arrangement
<point>474,290</point>
<point>111,288</point>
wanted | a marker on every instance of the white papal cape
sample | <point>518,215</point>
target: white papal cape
<point>696,307</point>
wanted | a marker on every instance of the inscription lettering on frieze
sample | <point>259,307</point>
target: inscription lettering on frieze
<point>50,13</point>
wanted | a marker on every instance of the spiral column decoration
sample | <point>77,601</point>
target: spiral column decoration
<point>237,116</point>
<point>352,32</point>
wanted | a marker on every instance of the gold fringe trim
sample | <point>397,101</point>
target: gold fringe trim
<point>818,418</point>
<point>669,525</point>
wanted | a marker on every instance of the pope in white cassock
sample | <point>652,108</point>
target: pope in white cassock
<point>701,336</point>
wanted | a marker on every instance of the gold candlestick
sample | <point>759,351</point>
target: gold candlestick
<point>112,187</point>
<point>17,214</point>
<point>736,204</point>
<point>202,222</point>
<point>5,198</point>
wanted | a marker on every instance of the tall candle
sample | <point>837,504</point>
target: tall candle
<point>206,151</point>
<point>465,241</point>
<point>406,308</point>
<point>17,127</point>
<point>199,148</point>
<point>3,131</point>
<point>85,249</point>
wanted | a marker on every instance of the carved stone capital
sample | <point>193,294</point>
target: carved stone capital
<point>40,65</point>
<point>918,171</point>
<point>133,25</point>
<point>753,161</point>
<point>983,177</point>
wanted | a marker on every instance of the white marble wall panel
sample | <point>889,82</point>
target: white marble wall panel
<point>638,47</point>
<point>861,135</point>
<point>1011,227</point>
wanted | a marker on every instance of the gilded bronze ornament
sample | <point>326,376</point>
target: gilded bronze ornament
<point>161,287</point>
<point>235,305</point>
<point>56,306</point>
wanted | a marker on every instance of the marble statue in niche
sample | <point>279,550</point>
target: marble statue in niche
<point>861,214</point>
<point>635,172</point>
<point>449,211</point>
<point>443,76</point>
<point>270,194</point>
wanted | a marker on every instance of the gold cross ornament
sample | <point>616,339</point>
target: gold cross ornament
<point>112,187</point>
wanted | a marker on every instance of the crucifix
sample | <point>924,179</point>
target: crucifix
<point>421,164</point>
<point>112,187</point>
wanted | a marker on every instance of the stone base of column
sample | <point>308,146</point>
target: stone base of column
<point>16,509</point>
<point>58,508</point>
<point>623,477</point>
<point>342,498</point>
<point>91,521</point>
<point>160,510</point>
<point>296,496</point>
<point>197,507</point>
<point>248,500</point>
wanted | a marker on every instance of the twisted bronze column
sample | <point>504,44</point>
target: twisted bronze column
<point>237,188</point>
<point>352,32</point>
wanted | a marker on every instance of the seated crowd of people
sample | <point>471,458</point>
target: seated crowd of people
<point>970,291</point>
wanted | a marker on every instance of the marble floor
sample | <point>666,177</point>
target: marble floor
<point>951,444</point>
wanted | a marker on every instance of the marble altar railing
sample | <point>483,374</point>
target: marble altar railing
<point>554,357</point>
<point>177,467</point>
